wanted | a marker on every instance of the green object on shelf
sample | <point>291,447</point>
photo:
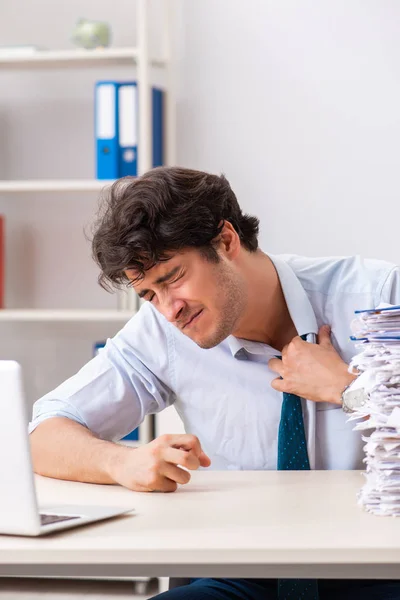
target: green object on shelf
<point>91,34</point>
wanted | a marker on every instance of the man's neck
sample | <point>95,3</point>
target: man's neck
<point>267,317</point>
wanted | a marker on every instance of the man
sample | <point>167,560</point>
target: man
<point>224,335</point>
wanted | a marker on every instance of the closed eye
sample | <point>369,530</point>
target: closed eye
<point>149,296</point>
<point>176,278</point>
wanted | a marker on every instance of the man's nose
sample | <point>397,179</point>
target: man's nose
<point>173,310</point>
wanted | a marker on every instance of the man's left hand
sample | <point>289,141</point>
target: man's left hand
<point>312,371</point>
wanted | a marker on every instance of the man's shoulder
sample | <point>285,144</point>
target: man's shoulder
<point>148,320</point>
<point>146,324</point>
<point>149,323</point>
<point>146,337</point>
<point>328,274</point>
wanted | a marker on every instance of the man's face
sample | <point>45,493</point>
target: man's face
<point>203,299</point>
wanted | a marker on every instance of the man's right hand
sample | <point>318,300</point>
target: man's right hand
<point>154,466</point>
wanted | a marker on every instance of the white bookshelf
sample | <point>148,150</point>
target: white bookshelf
<point>138,63</point>
<point>75,58</point>
<point>53,185</point>
<point>138,59</point>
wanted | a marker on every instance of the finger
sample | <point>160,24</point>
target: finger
<point>157,483</point>
<point>169,485</point>
<point>324,336</point>
<point>184,458</point>
<point>164,484</point>
<point>275,364</point>
<point>278,384</point>
<point>175,473</point>
<point>185,441</point>
<point>205,460</point>
<point>190,443</point>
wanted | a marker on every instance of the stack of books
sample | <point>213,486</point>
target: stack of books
<point>377,335</point>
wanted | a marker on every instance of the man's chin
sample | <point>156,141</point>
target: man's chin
<point>200,341</point>
<point>206,343</point>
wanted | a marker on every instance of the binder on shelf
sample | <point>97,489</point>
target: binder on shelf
<point>106,129</point>
<point>117,128</point>
<point>158,126</point>
<point>2,262</point>
<point>98,346</point>
<point>127,129</point>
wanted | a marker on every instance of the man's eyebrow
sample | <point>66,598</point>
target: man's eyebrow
<point>160,280</point>
<point>167,276</point>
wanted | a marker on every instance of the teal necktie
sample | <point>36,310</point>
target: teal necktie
<point>293,456</point>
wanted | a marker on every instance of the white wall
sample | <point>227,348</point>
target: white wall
<point>297,102</point>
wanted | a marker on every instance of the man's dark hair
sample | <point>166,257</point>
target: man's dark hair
<point>144,220</point>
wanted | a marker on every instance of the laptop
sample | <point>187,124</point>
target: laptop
<point>19,511</point>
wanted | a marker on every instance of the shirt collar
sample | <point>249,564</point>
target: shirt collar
<point>298,304</point>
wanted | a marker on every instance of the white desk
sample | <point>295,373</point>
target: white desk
<point>226,524</point>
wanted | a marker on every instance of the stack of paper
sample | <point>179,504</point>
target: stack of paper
<point>377,334</point>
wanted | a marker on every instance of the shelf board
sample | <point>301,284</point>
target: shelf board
<point>65,315</point>
<point>75,58</point>
<point>53,185</point>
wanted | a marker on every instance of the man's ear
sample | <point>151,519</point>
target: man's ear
<point>229,241</point>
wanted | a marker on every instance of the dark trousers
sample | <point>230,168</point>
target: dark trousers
<point>266,589</point>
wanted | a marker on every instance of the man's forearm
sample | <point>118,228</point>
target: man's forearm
<point>64,449</point>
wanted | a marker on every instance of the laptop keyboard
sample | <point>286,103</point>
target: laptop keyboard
<point>49,519</point>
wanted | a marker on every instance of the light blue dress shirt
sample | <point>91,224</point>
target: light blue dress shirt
<point>223,395</point>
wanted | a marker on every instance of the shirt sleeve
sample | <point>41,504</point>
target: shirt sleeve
<point>391,288</point>
<point>128,379</point>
